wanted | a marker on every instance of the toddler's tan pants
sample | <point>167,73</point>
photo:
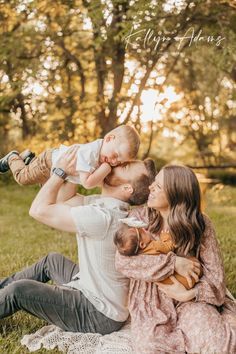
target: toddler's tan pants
<point>38,171</point>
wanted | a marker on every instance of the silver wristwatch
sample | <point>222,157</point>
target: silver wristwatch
<point>59,172</point>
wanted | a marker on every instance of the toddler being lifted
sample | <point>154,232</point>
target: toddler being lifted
<point>94,160</point>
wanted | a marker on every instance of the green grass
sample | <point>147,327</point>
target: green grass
<point>24,241</point>
<point>221,208</point>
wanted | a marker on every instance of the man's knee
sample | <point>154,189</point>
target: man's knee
<point>54,256</point>
<point>16,288</point>
<point>52,260</point>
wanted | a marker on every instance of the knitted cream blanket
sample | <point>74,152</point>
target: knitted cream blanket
<point>51,337</point>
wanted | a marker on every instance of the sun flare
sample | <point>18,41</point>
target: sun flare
<point>154,103</point>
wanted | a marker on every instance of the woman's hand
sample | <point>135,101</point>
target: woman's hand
<point>188,268</point>
<point>177,291</point>
<point>68,161</point>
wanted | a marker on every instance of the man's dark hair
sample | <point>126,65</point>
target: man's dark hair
<point>141,184</point>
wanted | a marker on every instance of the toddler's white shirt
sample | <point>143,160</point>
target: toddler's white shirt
<point>87,158</point>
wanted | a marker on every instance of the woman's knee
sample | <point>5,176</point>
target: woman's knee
<point>200,315</point>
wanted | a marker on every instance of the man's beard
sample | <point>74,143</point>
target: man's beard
<point>114,181</point>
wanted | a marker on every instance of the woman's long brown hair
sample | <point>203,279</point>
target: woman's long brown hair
<point>185,220</point>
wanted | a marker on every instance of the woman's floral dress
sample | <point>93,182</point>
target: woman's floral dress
<point>163,325</point>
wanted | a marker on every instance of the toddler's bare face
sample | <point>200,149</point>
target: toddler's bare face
<point>113,152</point>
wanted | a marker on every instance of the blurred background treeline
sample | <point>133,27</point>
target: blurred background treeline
<point>71,70</point>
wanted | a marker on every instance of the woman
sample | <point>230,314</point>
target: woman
<point>169,318</point>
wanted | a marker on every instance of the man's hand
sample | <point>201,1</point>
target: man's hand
<point>68,161</point>
<point>188,269</point>
<point>177,291</point>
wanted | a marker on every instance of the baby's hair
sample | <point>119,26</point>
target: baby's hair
<point>131,137</point>
<point>127,244</point>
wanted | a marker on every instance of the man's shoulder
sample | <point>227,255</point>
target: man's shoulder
<point>97,218</point>
<point>106,202</point>
<point>90,199</point>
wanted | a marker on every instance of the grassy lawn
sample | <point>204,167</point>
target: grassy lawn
<point>24,241</point>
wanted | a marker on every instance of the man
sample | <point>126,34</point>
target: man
<point>91,296</point>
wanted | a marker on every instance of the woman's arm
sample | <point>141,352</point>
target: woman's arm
<point>146,267</point>
<point>211,287</point>
<point>153,268</point>
<point>177,291</point>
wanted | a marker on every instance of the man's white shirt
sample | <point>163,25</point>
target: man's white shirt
<point>96,221</point>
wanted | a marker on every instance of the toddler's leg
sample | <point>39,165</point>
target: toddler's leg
<point>38,171</point>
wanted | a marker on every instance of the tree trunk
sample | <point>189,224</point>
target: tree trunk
<point>26,131</point>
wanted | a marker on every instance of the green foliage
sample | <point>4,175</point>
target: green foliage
<point>159,162</point>
<point>84,191</point>
<point>221,208</point>
<point>223,175</point>
<point>65,73</point>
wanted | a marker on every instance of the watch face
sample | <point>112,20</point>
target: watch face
<point>60,172</point>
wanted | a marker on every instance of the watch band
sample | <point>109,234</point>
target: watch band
<point>59,172</point>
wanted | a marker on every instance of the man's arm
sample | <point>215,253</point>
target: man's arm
<point>45,207</point>
<point>67,194</point>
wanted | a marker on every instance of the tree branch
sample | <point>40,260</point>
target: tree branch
<point>75,60</point>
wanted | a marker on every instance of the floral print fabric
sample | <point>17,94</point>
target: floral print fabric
<point>162,325</point>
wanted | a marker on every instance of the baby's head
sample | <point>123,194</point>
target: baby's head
<point>130,240</point>
<point>120,145</point>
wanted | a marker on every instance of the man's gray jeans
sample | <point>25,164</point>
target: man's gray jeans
<point>64,307</point>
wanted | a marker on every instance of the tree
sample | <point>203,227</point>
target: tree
<point>75,69</point>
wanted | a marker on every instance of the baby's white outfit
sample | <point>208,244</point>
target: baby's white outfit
<point>87,158</point>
